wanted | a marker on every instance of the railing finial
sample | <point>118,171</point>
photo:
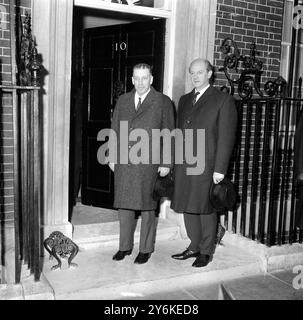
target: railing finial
<point>29,61</point>
<point>34,67</point>
<point>249,70</point>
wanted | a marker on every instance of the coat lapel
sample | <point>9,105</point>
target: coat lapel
<point>146,103</point>
<point>201,102</point>
<point>130,104</point>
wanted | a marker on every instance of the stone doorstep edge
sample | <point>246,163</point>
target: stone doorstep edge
<point>11,292</point>
<point>41,290</point>
<point>274,258</point>
<point>179,282</point>
<point>28,289</point>
<point>270,259</point>
<point>88,243</point>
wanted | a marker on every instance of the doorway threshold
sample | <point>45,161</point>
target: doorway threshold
<point>94,227</point>
<point>85,215</point>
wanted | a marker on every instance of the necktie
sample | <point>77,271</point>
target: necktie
<point>195,98</point>
<point>139,104</point>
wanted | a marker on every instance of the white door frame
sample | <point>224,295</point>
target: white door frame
<point>55,19</point>
<point>169,15</point>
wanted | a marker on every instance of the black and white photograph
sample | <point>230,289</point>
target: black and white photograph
<point>151,153</point>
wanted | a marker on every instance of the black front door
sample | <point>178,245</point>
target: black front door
<point>110,54</point>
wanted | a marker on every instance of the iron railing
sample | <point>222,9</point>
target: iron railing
<point>27,136</point>
<point>262,170</point>
<point>263,159</point>
<point>27,177</point>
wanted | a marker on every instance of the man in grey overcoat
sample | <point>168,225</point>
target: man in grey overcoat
<point>142,108</point>
<point>214,111</point>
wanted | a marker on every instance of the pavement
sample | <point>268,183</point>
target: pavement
<point>241,269</point>
<point>98,277</point>
<point>246,270</point>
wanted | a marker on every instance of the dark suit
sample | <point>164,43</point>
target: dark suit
<point>216,113</point>
<point>134,182</point>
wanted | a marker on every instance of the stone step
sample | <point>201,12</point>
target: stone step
<point>99,277</point>
<point>97,234</point>
<point>176,286</point>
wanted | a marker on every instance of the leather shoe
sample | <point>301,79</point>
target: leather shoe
<point>201,261</point>
<point>142,258</point>
<point>185,255</point>
<point>120,255</point>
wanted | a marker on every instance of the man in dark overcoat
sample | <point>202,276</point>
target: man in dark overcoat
<point>141,109</point>
<point>214,111</point>
<point>298,172</point>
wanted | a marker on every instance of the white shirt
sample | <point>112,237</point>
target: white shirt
<point>142,98</point>
<point>201,92</point>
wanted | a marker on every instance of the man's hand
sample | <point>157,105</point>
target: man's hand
<point>163,171</point>
<point>112,166</point>
<point>217,177</point>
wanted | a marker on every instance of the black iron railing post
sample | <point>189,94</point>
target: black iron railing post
<point>246,167</point>
<point>264,173</point>
<point>37,185</point>
<point>284,167</point>
<point>255,169</point>
<point>272,214</point>
<point>237,162</point>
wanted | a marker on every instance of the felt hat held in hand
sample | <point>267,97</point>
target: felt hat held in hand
<point>223,195</point>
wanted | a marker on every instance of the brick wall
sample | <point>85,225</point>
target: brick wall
<point>6,126</point>
<point>246,21</point>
